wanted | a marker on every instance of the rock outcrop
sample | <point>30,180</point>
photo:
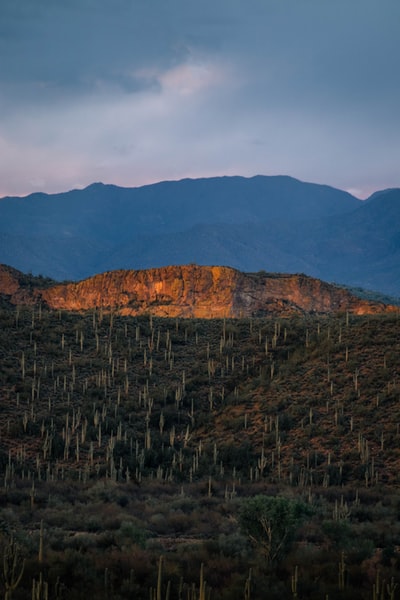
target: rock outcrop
<point>191,291</point>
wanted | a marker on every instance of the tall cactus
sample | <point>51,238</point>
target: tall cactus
<point>294,582</point>
<point>13,569</point>
<point>203,585</point>
<point>40,589</point>
<point>342,572</point>
<point>247,587</point>
<point>156,594</point>
<point>159,578</point>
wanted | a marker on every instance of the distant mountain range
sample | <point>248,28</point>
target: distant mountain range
<point>276,224</point>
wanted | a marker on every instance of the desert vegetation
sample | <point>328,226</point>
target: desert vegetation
<point>192,459</point>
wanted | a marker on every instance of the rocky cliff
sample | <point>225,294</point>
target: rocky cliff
<point>190,291</point>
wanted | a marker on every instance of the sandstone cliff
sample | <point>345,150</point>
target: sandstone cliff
<point>190,291</point>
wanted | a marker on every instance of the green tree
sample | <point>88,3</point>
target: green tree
<point>271,522</point>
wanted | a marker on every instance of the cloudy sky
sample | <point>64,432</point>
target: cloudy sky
<point>136,91</point>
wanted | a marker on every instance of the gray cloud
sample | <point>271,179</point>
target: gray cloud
<point>132,91</point>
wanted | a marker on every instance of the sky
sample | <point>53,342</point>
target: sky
<point>131,92</point>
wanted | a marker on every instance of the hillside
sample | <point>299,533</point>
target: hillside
<point>189,291</point>
<point>126,441</point>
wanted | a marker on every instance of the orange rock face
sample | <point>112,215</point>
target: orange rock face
<point>9,284</point>
<point>196,291</point>
<point>11,288</point>
<point>205,292</point>
<point>189,291</point>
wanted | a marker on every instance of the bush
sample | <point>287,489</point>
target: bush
<point>271,522</point>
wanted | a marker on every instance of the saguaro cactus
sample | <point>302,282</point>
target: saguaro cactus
<point>40,589</point>
<point>13,568</point>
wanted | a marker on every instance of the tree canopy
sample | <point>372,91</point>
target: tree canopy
<point>271,522</point>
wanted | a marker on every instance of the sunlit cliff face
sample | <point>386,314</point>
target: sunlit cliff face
<point>8,282</point>
<point>192,291</point>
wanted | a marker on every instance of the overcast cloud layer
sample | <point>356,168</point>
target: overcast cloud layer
<point>137,91</point>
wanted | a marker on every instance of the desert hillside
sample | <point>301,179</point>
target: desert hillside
<point>134,443</point>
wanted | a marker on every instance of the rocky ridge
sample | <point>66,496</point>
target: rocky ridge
<point>189,291</point>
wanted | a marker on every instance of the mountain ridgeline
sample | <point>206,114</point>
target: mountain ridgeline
<point>277,224</point>
<point>188,291</point>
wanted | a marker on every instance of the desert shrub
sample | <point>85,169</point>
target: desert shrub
<point>362,548</point>
<point>81,541</point>
<point>132,532</point>
<point>77,571</point>
<point>234,545</point>
<point>238,456</point>
<point>391,556</point>
<point>94,524</point>
<point>180,522</point>
<point>338,533</point>
<point>271,522</point>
